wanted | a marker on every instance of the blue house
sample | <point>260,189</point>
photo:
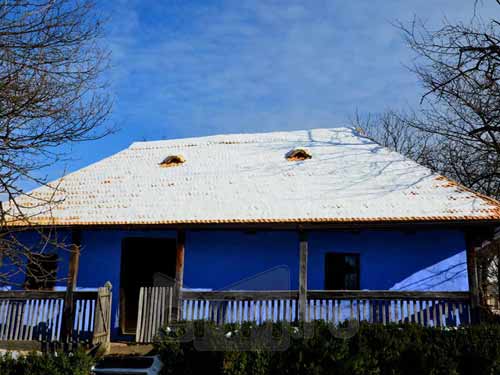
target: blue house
<point>323,209</point>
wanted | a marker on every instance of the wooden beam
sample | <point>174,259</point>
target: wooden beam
<point>305,225</point>
<point>43,294</point>
<point>303,247</point>
<point>264,295</point>
<point>472,242</point>
<point>243,295</point>
<point>179,264</point>
<point>74,261</point>
<point>387,295</point>
<point>68,311</point>
<point>179,273</point>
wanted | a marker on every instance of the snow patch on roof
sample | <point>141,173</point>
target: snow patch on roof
<point>244,178</point>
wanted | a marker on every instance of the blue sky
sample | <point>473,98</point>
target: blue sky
<point>190,68</point>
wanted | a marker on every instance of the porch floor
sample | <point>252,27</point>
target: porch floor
<point>128,348</point>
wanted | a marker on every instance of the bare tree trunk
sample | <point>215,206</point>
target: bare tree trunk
<point>52,93</point>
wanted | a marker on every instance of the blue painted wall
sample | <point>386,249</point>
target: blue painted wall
<point>220,259</point>
<point>386,257</point>
<point>239,260</point>
<point>52,242</point>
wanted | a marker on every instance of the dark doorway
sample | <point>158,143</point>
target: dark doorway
<point>143,260</point>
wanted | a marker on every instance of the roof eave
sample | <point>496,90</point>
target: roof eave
<point>276,223</point>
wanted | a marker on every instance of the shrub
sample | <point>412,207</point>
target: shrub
<point>77,363</point>
<point>371,350</point>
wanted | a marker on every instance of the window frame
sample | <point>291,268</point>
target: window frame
<point>327,269</point>
<point>49,283</point>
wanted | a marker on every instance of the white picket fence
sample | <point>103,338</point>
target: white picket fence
<point>38,315</point>
<point>158,306</point>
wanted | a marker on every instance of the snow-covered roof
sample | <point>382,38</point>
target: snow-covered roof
<point>246,178</point>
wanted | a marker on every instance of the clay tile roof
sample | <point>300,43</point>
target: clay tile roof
<point>244,178</point>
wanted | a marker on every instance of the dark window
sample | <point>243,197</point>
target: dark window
<point>41,272</point>
<point>341,271</point>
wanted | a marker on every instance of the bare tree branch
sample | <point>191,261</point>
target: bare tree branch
<point>52,93</point>
<point>456,129</point>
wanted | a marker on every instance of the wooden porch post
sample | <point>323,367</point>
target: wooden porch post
<point>74,261</point>
<point>179,271</point>
<point>473,283</point>
<point>472,242</point>
<point>303,246</point>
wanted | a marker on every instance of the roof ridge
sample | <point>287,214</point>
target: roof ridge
<point>226,138</point>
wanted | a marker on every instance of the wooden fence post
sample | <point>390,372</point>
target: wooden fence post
<point>68,310</point>
<point>303,277</point>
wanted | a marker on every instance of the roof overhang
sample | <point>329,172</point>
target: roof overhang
<point>305,224</point>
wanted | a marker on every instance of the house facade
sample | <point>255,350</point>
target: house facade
<point>232,212</point>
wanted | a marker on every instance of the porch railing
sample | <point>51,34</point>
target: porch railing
<point>157,307</point>
<point>438,309</point>
<point>38,315</point>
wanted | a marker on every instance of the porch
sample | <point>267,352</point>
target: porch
<point>43,317</point>
<point>162,305</point>
<point>89,318</point>
<point>159,307</point>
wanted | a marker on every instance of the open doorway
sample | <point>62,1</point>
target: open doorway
<point>142,260</point>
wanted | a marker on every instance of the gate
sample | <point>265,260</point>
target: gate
<point>102,322</point>
<point>155,311</point>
